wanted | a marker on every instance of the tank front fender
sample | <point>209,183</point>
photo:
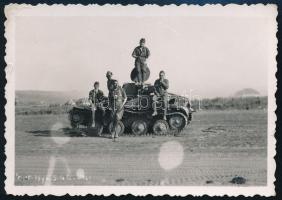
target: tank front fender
<point>182,109</point>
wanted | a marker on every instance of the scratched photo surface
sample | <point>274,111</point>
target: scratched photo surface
<point>212,70</point>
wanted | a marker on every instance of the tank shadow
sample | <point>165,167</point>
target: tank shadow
<point>66,132</point>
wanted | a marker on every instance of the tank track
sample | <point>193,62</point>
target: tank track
<point>84,130</point>
<point>128,121</point>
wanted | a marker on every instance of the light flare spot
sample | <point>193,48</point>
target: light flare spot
<point>80,174</point>
<point>171,155</point>
<point>57,134</point>
<point>164,182</point>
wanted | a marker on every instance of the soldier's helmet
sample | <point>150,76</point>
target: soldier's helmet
<point>142,40</point>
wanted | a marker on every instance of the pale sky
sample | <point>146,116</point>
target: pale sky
<point>213,56</point>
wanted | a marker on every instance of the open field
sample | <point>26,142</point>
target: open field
<point>28,107</point>
<point>213,149</point>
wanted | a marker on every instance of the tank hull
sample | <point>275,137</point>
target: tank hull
<point>137,117</point>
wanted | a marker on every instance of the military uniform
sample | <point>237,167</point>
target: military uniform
<point>110,85</point>
<point>116,97</point>
<point>96,96</point>
<point>161,93</point>
<point>141,54</point>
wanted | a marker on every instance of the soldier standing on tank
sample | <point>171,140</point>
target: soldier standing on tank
<point>141,53</point>
<point>95,97</point>
<point>161,85</point>
<point>117,98</point>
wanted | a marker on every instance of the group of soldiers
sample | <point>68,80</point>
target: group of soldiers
<point>117,96</point>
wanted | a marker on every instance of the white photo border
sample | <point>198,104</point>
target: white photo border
<point>14,10</point>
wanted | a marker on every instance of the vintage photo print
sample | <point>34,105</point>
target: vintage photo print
<point>113,99</point>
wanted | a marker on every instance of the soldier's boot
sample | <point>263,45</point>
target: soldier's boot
<point>114,131</point>
<point>115,136</point>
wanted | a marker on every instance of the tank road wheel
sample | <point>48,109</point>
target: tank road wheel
<point>177,122</point>
<point>139,127</point>
<point>119,128</point>
<point>160,127</point>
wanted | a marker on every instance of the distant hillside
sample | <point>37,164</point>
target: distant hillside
<point>247,92</point>
<point>29,97</point>
<point>231,103</point>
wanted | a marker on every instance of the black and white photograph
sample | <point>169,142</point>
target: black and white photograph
<point>140,100</point>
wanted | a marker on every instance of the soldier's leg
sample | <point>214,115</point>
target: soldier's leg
<point>93,109</point>
<point>139,73</point>
<point>143,71</point>
<point>116,130</point>
<point>119,114</point>
<point>155,97</point>
<point>115,124</point>
<point>165,100</point>
<point>102,112</point>
<point>100,116</point>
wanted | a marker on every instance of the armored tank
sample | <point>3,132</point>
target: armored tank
<point>137,118</point>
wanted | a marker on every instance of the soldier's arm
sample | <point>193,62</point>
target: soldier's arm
<point>101,96</point>
<point>123,93</point>
<point>90,96</point>
<point>134,55</point>
<point>148,53</point>
<point>165,84</point>
<point>155,86</point>
<point>124,96</point>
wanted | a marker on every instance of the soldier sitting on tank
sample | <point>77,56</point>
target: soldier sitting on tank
<point>95,97</point>
<point>141,53</point>
<point>161,85</point>
<point>117,98</point>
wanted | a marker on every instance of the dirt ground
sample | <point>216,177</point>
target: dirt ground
<point>216,147</point>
